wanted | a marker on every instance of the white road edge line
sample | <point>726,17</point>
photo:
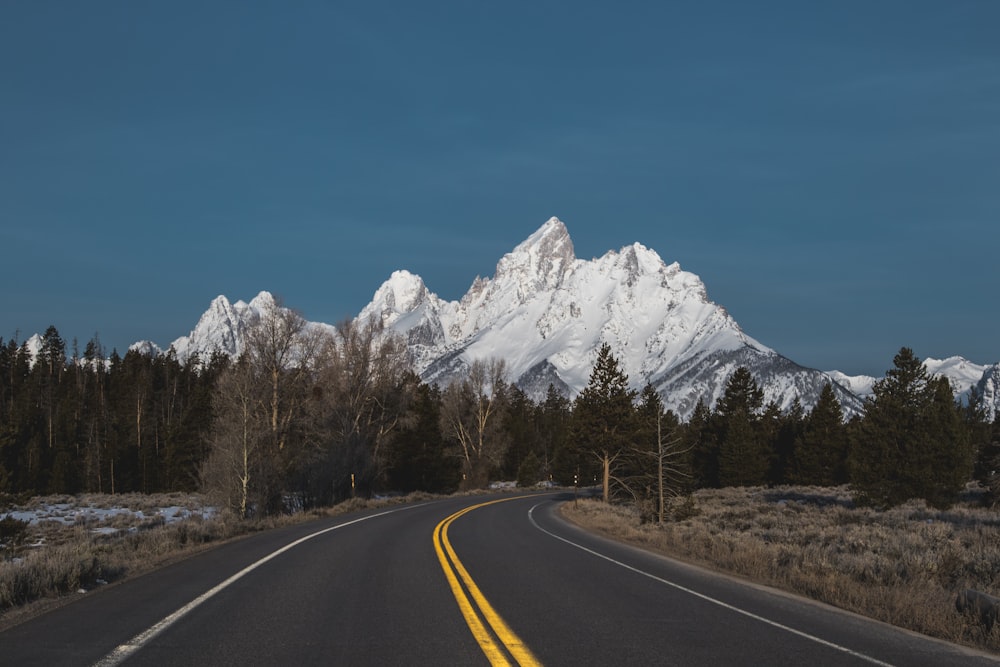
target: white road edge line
<point>712,600</point>
<point>123,651</point>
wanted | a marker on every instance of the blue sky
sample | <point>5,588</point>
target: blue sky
<point>830,170</point>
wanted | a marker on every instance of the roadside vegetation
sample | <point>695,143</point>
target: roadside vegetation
<point>904,566</point>
<point>73,545</point>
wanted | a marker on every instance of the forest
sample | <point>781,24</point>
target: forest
<point>304,418</point>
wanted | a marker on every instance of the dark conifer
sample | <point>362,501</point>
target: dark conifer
<point>744,453</point>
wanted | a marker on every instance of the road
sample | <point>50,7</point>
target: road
<point>461,581</point>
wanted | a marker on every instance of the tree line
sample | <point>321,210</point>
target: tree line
<point>306,416</point>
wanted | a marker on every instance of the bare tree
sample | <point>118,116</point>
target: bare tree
<point>655,469</point>
<point>366,382</point>
<point>261,416</point>
<point>240,404</point>
<point>471,416</point>
<point>283,350</point>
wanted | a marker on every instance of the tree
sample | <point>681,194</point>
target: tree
<point>744,454</point>
<point>521,422</point>
<point>261,420</point>
<point>236,467</point>
<point>910,442</point>
<point>365,386</point>
<point>786,432</point>
<point>661,471</point>
<point>282,349</point>
<point>416,458</point>
<point>472,417</point>
<point>604,424</point>
<point>820,453</point>
<point>554,419</point>
<point>699,437</point>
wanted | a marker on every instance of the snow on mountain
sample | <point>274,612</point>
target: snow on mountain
<point>146,348</point>
<point>404,303</point>
<point>222,328</point>
<point>547,313</point>
<point>34,345</point>
<point>962,373</point>
<point>859,385</point>
<point>989,390</point>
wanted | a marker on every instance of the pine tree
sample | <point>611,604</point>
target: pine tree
<point>744,454</point>
<point>604,422</point>
<point>910,443</point>
<point>789,431</point>
<point>820,455</point>
<point>558,459</point>
<point>699,437</point>
<point>521,424</point>
<point>417,460</point>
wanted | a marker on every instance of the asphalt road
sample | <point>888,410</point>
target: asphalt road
<point>430,585</point>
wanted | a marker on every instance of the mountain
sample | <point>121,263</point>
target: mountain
<point>222,328</point>
<point>989,389</point>
<point>547,312</point>
<point>962,373</point>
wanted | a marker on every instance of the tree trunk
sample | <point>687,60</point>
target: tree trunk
<point>606,464</point>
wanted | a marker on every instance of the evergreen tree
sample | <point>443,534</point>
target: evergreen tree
<point>788,431</point>
<point>820,455</point>
<point>946,465</point>
<point>604,422</point>
<point>910,443</point>
<point>555,413</point>
<point>521,424</point>
<point>417,460</point>
<point>744,453</point>
<point>529,473</point>
<point>700,438</point>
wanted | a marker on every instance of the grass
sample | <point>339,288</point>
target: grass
<point>905,566</point>
<point>47,561</point>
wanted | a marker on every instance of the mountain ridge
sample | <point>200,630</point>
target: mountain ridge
<point>546,313</point>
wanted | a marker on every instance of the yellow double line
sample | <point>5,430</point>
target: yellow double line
<point>501,642</point>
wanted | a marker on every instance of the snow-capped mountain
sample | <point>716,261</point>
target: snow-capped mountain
<point>547,313</point>
<point>989,390</point>
<point>223,327</point>
<point>962,373</point>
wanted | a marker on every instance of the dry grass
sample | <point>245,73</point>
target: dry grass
<point>905,566</point>
<point>62,556</point>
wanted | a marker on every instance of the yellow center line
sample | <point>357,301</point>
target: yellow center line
<point>452,566</point>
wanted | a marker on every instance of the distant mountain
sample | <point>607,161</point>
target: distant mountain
<point>962,373</point>
<point>547,313</point>
<point>989,389</point>
<point>221,329</point>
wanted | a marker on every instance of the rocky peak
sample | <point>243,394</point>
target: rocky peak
<point>542,260</point>
<point>403,292</point>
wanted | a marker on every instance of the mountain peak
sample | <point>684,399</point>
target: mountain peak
<point>263,301</point>
<point>552,238</point>
<point>402,292</point>
<point>541,261</point>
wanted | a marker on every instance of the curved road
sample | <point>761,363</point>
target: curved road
<point>461,581</point>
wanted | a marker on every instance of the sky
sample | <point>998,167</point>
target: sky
<point>831,170</point>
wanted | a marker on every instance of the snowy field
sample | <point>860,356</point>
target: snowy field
<point>104,514</point>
